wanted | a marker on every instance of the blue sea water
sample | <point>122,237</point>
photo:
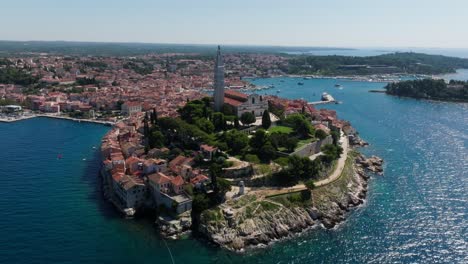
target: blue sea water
<point>375,51</point>
<point>53,210</point>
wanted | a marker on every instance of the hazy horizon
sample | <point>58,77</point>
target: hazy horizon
<point>353,24</point>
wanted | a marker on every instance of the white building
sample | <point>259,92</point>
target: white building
<point>241,103</point>
<point>130,108</point>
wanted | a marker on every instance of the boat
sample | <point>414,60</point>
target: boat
<point>300,83</point>
<point>338,85</point>
<point>278,91</point>
<point>327,98</point>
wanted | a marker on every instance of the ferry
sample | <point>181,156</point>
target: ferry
<point>327,98</point>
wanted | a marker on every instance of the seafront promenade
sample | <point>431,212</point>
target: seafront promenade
<point>19,118</point>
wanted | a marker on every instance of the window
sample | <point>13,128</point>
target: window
<point>253,100</point>
<point>261,99</point>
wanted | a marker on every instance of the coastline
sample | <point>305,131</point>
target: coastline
<point>429,99</point>
<point>15,119</point>
<point>330,206</point>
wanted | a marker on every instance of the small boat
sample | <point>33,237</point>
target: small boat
<point>300,83</point>
<point>338,85</point>
<point>59,156</point>
<point>278,91</point>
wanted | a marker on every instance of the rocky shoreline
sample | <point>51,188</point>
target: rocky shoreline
<point>329,207</point>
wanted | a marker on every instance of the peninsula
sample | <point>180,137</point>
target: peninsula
<point>242,170</point>
<point>456,91</point>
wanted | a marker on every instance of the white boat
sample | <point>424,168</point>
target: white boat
<point>328,98</point>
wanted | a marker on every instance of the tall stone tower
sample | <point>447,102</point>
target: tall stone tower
<point>218,85</point>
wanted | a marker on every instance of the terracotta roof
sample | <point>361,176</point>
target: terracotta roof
<point>235,94</point>
<point>208,148</point>
<point>232,102</point>
<point>159,178</point>
<point>199,178</point>
<point>178,181</point>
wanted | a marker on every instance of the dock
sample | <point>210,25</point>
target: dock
<point>323,102</point>
<point>19,118</point>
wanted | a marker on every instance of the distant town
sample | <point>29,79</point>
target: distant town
<point>194,143</point>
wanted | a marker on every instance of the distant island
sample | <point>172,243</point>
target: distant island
<point>430,89</point>
<point>394,63</point>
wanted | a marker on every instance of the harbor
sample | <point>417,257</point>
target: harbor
<point>15,118</point>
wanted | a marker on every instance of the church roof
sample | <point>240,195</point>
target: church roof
<point>232,102</point>
<point>235,95</point>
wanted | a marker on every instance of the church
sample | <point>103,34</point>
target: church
<point>237,101</point>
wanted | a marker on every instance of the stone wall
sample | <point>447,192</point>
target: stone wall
<point>313,148</point>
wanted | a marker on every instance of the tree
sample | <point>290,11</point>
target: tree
<point>235,140</point>
<point>200,203</point>
<point>310,184</point>
<point>258,139</point>
<point>247,118</point>
<point>291,143</point>
<point>205,125</point>
<point>267,152</point>
<point>218,121</point>
<point>236,123</point>
<point>336,137</point>
<point>266,121</point>
<point>300,124</point>
<point>215,172</point>
<point>320,134</point>
<point>192,110</point>
<point>156,139</point>
<point>331,152</point>
<point>224,186</point>
<point>154,116</point>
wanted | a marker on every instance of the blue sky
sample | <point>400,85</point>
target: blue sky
<point>338,23</point>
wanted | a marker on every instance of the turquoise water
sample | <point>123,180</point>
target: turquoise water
<point>53,211</point>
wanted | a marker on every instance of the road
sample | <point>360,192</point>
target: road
<point>339,166</point>
<point>331,178</point>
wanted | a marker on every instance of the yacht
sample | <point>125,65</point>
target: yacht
<point>328,98</point>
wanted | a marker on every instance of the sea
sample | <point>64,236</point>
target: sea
<point>53,211</point>
<point>375,51</point>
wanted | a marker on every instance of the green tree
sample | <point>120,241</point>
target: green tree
<point>200,203</point>
<point>218,121</point>
<point>267,152</point>
<point>247,118</point>
<point>236,141</point>
<point>320,134</point>
<point>224,186</point>
<point>266,121</point>
<point>258,140</point>
<point>310,184</point>
<point>331,152</point>
<point>156,139</point>
<point>236,123</point>
<point>205,125</point>
<point>300,124</point>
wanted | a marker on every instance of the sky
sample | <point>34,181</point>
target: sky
<point>324,23</point>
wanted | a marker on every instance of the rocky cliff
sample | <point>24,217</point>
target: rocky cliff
<point>258,221</point>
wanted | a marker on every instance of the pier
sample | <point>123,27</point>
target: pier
<point>19,118</point>
<point>323,102</point>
